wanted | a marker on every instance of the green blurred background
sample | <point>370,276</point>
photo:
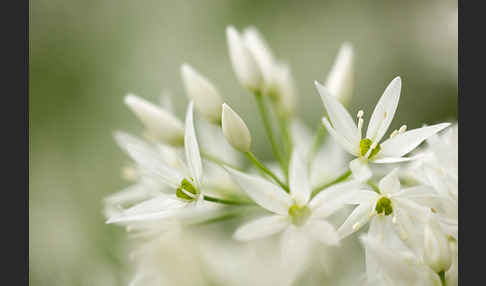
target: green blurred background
<point>86,55</point>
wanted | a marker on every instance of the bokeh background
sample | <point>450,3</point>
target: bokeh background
<point>86,55</point>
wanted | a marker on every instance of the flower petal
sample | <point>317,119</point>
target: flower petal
<point>390,184</point>
<point>298,179</point>
<point>391,160</point>
<point>405,142</point>
<point>148,159</point>
<point>339,116</point>
<point>264,193</point>
<point>352,149</point>
<point>360,169</point>
<point>358,217</point>
<point>384,111</point>
<point>261,227</point>
<point>191,147</point>
<point>340,79</point>
<point>323,232</point>
<point>333,198</point>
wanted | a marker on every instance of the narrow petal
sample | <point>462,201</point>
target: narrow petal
<point>360,169</point>
<point>260,50</point>
<point>298,179</point>
<point>384,111</point>
<point>391,160</point>
<point>362,197</point>
<point>261,227</point>
<point>390,184</point>
<point>264,193</point>
<point>148,159</point>
<point>340,79</point>
<point>323,232</point>
<point>333,198</point>
<point>339,116</point>
<point>402,144</point>
<point>191,147</point>
<point>351,148</point>
<point>358,217</point>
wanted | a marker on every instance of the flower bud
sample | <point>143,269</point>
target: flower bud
<point>235,130</point>
<point>340,80</point>
<point>261,52</point>
<point>436,247</point>
<point>205,96</point>
<point>160,124</point>
<point>244,64</point>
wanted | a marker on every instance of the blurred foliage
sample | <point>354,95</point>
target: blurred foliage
<point>86,55</point>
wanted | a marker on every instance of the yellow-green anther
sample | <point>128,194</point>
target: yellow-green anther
<point>299,215</point>
<point>384,205</point>
<point>364,147</point>
<point>188,188</point>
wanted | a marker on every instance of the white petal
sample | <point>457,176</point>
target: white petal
<point>384,111</point>
<point>205,96</point>
<point>160,123</point>
<point>403,143</point>
<point>340,78</point>
<point>360,169</point>
<point>358,217</point>
<point>148,160</point>
<point>235,130</point>
<point>266,194</point>
<point>260,50</point>
<point>191,147</point>
<point>333,198</point>
<point>351,148</point>
<point>261,227</point>
<point>363,197</point>
<point>298,179</point>
<point>323,232</point>
<point>244,64</point>
<point>339,116</point>
<point>391,160</point>
<point>390,184</point>
<point>295,247</point>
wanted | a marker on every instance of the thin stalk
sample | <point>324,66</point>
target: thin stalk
<point>442,278</point>
<point>226,202</point>
<point>339,179</point>
<point>284,129</point>
<point>268,129</point>
<point>265,170</point>
<point>217,160</point>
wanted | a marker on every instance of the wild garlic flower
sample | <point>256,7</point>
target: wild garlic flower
<point>235,130</point>
<point>340,80</point>
<point>369,149</point>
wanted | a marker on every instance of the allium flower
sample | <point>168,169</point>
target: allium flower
<point>340,80</point>
<point>348,134</point>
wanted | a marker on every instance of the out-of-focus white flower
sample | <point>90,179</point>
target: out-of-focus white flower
<point>451,276</point>
<point>395,266</point>
<point>340,80</point>
<point>437,254</point>
<point>235,130</point>
<point>402,206</point>
<point>160,124</point>
<point>205,96</point>
<point>369,149</point>
<point>295,210</point>
<point>244,63</point>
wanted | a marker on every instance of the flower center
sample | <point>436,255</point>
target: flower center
<point>364,148</point>
<point>187,191</point>
<point>299,215</point>
<point>384,205</point>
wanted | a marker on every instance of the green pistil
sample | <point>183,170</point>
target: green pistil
<point>384,205</point>
<point>299,215</point>
<point>188,187</point>
<point>365,145</point>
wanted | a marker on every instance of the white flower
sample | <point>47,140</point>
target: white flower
<point>295,210</point>
<point>402,206</point>
<point>185,181</point>
<point>235,130</point>
<point>205,96</point>
<point>160,124</point>
<point>437,254</point>
<point>244,64</point>
<point>349,136</point>
<point>340,79</point>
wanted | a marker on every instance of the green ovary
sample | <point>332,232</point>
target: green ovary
<point>364,147</point>
<point>188,187</point>
<point>299,215</point>
<point>384,205</point>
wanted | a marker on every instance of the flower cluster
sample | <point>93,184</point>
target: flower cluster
<point>322,189</point>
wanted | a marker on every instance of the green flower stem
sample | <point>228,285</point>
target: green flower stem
<point>320,134</point>
<point>284,129</point>
<point>373,185</point>
<point>226,202</point>
<point>339,179</point>
<point>264,169</point>
<point>268,129</point>
<point>442,278</point>
<point>216,160</point>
